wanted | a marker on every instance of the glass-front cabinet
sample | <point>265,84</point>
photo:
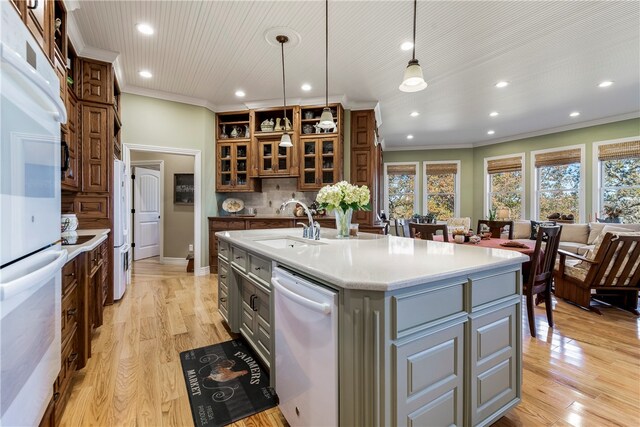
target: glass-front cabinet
<point>233,167</point>
<point>274,160</point>
<point>321,162</point>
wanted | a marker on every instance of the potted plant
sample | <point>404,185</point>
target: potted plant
<point>430,218</point>
<point>492,214</point>
<point>343,198</point>
<point>612,214</point>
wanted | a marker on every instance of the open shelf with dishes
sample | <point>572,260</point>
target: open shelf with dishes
<point>271,121</point>
<point>235,125</point>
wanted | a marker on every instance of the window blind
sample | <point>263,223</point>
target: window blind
<point>558,158</point>
<point>620,150</point>
<point>509,164</point>
<point>401,169</point>
<point>441,168</point>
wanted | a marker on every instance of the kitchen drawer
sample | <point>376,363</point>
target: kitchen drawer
<point>69,312</point>
<point>223,303</point>
<point>223,249</point>
<point>492,288</point>
<point>260,268</point>
<point>69,275</point>
<point>221,224</point>
<point>94,260</point>
<point>258,224</point>
<point>414,311</point>
<point>223,272</point>
<point>69,362</point>
<point>239,258</point>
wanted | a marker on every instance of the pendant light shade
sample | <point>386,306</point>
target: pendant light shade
<point>413,80</point>
<point>285,140</point>
<point>326,118</point>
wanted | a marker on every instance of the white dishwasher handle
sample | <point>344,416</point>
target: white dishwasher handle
<point>313,305</point>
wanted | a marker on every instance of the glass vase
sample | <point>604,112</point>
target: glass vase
<point>343,221</point>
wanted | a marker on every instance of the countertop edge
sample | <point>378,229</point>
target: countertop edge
<point>369,285</point>
<point>75,250</point>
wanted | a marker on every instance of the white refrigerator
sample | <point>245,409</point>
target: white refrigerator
<point>120,229</point>
<point>30,255</point>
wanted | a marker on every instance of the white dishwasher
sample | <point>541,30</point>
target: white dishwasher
<point>306,350</point>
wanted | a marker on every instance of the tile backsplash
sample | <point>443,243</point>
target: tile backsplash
<point>274,192</point>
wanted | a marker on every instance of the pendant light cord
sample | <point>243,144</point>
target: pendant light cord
<point>284,87</point>
<point>326,51</point>
<point>415,8</point>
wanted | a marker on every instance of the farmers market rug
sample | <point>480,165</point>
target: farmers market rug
<point>225,383</point>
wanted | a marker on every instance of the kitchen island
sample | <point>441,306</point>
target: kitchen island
<point>428,332</point>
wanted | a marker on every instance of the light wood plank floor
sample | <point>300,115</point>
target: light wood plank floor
<point>583,372</point>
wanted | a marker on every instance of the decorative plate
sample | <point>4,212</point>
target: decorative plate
<point>233,205</point>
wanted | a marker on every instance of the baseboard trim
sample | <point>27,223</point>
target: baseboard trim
<point>202,271</point>
<point>175,261</point>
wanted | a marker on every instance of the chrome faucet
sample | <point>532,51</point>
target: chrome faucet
<point>312,231</point>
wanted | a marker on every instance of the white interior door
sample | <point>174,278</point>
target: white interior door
<point>146,218</point>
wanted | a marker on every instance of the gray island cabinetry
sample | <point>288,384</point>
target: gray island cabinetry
<point>428,332</point>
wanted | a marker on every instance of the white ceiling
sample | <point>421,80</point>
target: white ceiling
<point>554,53</point>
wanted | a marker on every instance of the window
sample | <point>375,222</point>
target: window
<point>441,189</point>
<point>401,189</point>
<point>505,185</point>
<point>619,179</point>
<point>558,182</point>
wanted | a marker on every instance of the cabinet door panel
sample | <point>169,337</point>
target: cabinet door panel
<point>38,13</point>
<point>429,378</point>
<point>95,149</point>
<point>96,82</point>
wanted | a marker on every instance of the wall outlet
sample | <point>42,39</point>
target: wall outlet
<point>190,248</point>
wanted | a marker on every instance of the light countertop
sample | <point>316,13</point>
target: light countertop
<point>374,262</point>
<point>101,235</point>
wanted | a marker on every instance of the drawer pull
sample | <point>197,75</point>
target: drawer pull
<point>72,358</point>
<point>72,312</point>
<point>257,269</point>
<point>239,257</point>
<point>223,276</point>
<point>70,275</point>
<point>56,396</point>
<point>223,299</point>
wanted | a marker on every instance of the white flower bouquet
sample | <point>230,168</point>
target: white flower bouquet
<point>343,198</point>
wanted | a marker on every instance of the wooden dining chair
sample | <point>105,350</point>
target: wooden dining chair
<point>541,273</point>
<point>427,231</point>
<point>495,227</point>
<point>401,227</point>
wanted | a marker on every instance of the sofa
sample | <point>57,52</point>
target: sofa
<point>575,238</point>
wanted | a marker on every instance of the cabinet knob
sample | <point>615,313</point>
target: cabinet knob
<point>257,269</point>
<point>70,275</point>
<point>239,257</point>
<point>72,312</point>
<point>223,299</point>
<point>223,276</point>
<point>56,396</point>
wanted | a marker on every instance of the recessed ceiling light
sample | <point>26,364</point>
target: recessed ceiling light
<point>146,74</point>
<point>145,29</point>
<point>414,114</point>
<point>502,84</point>
<point>491,132</point>
<point>406,46</point>
<point>605,83</point>
<point>493,114</point>
<point>574,114</point>
<point>306,87</point>
<point>240,93</point>
<point>409,136</point>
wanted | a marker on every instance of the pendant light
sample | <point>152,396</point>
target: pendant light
<point>326,118</point>
<point>285,140</point>
<point>413,80</point>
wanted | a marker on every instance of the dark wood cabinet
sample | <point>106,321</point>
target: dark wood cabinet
<point>38,20</point>
<point>320,162</point>
<point>274,160</point>
<point>95,150</point>
<point>48,419</point>
<point>96,81</point>
<point>71,177</point>
<point>366,162</point>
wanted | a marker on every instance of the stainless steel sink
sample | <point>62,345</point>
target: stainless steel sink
<point>287,242</point>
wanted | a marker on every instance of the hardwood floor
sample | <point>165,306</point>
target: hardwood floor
<point>583,372</point>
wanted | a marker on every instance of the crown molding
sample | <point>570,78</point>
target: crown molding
<point>429,147</point>
<point>572,126</point>
<point>168,96</point>
<point>71,5</point>
<point>98,54</point>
